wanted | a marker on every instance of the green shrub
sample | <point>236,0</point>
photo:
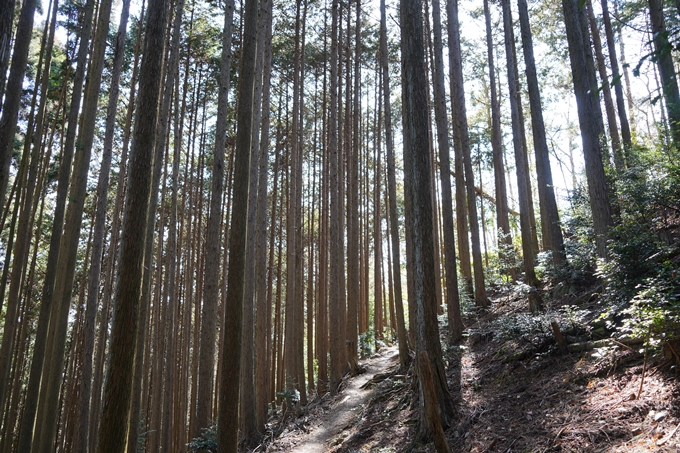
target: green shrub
<point>207,442</point>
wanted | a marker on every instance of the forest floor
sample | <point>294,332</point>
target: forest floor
<point>515,389</point>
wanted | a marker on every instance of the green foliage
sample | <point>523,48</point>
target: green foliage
<point>579,239</point>
<point>141,438</point>
<point>637,247</point>
<point>519,325</point>
<point>207,442</point>
<point>655,308</point>
<point>367,342</point>
<point>290,396</point>
<point>500,264</point>
<point>640,276</point>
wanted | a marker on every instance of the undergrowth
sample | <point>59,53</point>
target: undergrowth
<point>640,277</point>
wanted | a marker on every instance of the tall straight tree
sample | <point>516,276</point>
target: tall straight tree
<point>616,79</point>
<point>292,233</point>
<point>550,227</point>
<point>441,116</point>
<point>353,268</point>
<point>520,157</point>
<point>263,315</point>
<point>392,194</point>
<point>21,244</point>
<point>321,349</point>
<point>21,240</point>
<point>35,390</point>
<point>418,199</point>
<point>206,362</point>
<point>98,236</point>
<point>592,152</point>
<point>248,423</point>
<point>605,88</point>
<point>10,107</point>
<point>118,388</point>
<point>227,419</point>
<point>502,215</point>
<point>664,61</point>
<point>57,333</point>
<point>462,143</point>
<point>299,265</point>
<point>338,351</point>
<point>6,22</point>
<point>168,296</point>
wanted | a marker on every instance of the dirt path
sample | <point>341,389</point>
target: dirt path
<point>327,428</point>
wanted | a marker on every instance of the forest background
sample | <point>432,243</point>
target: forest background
<point>210,209</point>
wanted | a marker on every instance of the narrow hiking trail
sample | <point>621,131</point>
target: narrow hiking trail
<point>515,391</point>
<point>329,420</point>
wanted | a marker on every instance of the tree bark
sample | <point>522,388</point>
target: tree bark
<point>520,156</point>
<point>597,188</point>
<point>113,426</point>
<point>420,253</point>
<point>404,358</point>
<point>616,80</point>
<point>460,129</point>
<point>550,222</point>
<point>441,116</point>
<point>6,22</point>
<point>248,415</point>
<point>664,61</point>
<point>263,316</point>
<point>338,354</point>
<point>10,108</point>
<point>227,424</point>
<point>206,362</point>
<point>606,90</point>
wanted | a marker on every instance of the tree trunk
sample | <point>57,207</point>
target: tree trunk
<point>353,252</point>
<point>98,237</point>
<point>291,331</point>
<point>248,415</point>
<point>206,362</point>
<point>550,226</point>
<point>321,349</point>
<point>263,317</point>
<point>616,77</point>
<point>597,188</point>
<point>227,425</point>
<point>404,357</point>
<point>6,22</point>
<point>606,90</point>
<point>441,116</point>
<point>520,156</point>
<point>299,253</point>
<point>418,212</point>
<point>664,61</point>
<point>10,108</point>
<point>338,350</point>
<point>502,216</point>
<point>118,387</point>
<point>463,143</point>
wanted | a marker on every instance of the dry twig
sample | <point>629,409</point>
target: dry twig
<point>669,437</point>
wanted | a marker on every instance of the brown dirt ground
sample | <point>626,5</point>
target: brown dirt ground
<point>515,393</point>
